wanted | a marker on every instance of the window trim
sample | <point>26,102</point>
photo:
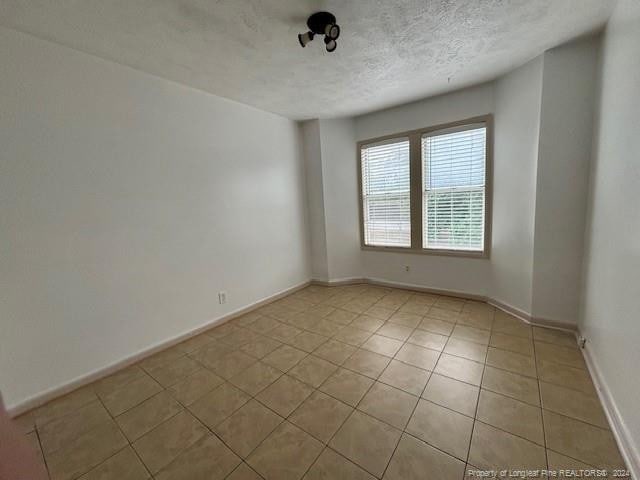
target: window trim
<point>415,202</point>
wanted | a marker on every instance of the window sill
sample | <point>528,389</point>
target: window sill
<point>422,251</point>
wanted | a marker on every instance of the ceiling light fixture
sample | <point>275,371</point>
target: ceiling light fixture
<point>321,23</point>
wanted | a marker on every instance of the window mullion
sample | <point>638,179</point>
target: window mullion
<point>415,161</point>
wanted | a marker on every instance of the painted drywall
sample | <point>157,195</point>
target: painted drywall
<point>517,120</point>
<point>611,293</point>
<point>315,199</point>
<point>340,169</point>
<point>127,203</point>
<point>564,151</point>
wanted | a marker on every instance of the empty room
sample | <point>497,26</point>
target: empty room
<point>319,240</point>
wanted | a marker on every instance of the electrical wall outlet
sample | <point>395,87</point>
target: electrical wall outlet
<point>222,298</point>
<point>406,268</point>
<point>582,342</point>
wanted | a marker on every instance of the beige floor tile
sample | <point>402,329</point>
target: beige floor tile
<point>63,430</point>
<point>117,380</point>
<point>492,448</point>
<point>557,461</point>
<point>260,347</point>
<point>149,414</point>
<point>26,422</point>
<point>208,459</point>
<point>450,303</point>
<point>410,320</point>
<point>395,331</point>
<point>246,319</point>
<point>521,345</point>
<point>513,362</point>
<point>471,334</point>
<point>335,352</point>
<point>405,377</point>
<point>172,372</point>
<point>569,377</point>
<point>163,444</point>
<point>413,458</point>
<point>333,466</point>
<point>320,415</point>
<point>195,386</point>
<point>240,337</point>
<point>264,325</point>
<point>320,310</point>
<point>308,341</point>
<point>557,337</point>
<point>443,428</point>
<point>63,406</point>
<point>460,369</point>
<point>582,441</point>
<point>418,356</point>
<point>571,357</point>
<point>469,350</point>
<point>256,378</point>
<point>34,442</point>
<point>286,454</point>
<point>367,323</point>
<point>391,405</point>
<point>428,340</point>
<point>324,327</point>
<point>221,331</point>
<point>124,465</point>
<point>247,427</point>
<point>459,396</point>
<point>382,345</point>
<point>285,395</point>
<point>443,314</point>
<point>352,336</point>
<point>511,415</point>
<point>436,326</point>
<point>284,358</point>
<point>210,354</point>
<point>482,320</point>
<point>85,452</point>
<point>367,363</point>
<point>232,364</point>
<point>573,404</point>
<point>341,317</point>
<point>161,358</point>
<point>347,386</point>
<point>366,441</point>
<point>420,309</point>
<point>215,406</point>
<point>313,370</point>
<point>512,385</point>
<point>284,333</point>
<point>244,472</point>
<point>509,325</point>
<point>128,396</point>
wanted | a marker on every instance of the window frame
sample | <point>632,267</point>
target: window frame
<point>416,189</point>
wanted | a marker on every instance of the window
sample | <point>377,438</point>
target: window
<point>386,193</point>
<point>428,190</point>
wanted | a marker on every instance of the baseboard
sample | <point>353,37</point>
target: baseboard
<point>531,320</point>
<point>339,281</point>
<point>619,428</point>
<point>84,380</point>
<point>419,288</point>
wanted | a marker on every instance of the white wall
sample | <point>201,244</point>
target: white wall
<point>450,273</point>
<point>340,170</point>
<point>564,151</point>
<point>611,296</point>
<point>517,120</point>
<point>315,199</point>
<point>126,203</point>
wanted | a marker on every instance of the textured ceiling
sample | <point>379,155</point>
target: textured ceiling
<point>390,52</point>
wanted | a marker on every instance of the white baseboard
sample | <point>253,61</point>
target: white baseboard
<point>621,432</point>
<point>531,320</point>
<point>53,393</point>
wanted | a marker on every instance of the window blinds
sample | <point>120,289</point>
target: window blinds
<point>386,193</point>
<point>453,166</point>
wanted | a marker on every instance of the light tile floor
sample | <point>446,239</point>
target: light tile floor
<point>352,382</point>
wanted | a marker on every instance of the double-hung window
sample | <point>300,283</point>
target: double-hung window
<point>428,190</point>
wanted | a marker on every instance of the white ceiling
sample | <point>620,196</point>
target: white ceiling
<point>389,52</point>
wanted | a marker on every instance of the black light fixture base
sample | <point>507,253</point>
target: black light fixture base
<point>319,20</point>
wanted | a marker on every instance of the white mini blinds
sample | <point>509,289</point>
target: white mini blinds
<point>429,190</point>
<point>453,189</point>
<point>386,193</point>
